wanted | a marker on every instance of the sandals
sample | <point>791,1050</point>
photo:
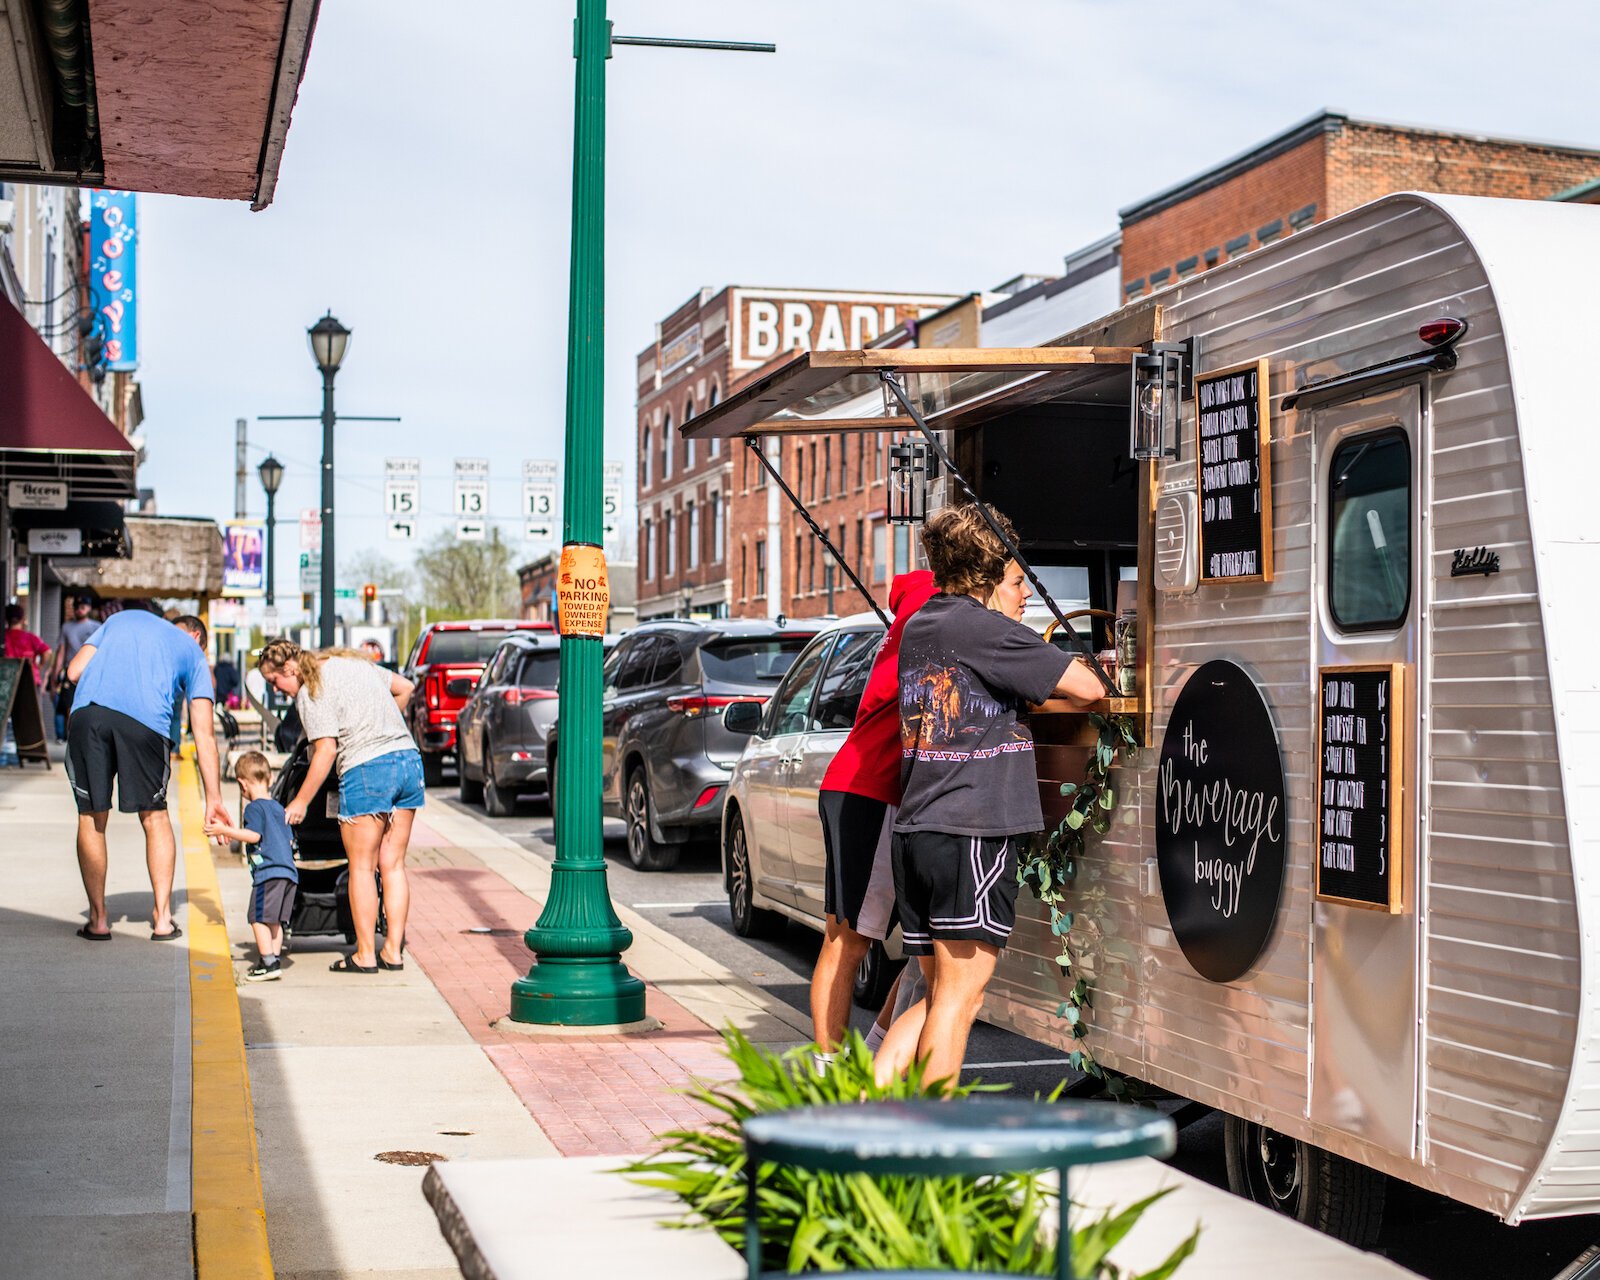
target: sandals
<point>348,965</point>
<point>390,968</point>
<point>89,935</point>
<point>167,937</point>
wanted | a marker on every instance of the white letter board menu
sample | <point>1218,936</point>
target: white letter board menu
<point>1361,770</point>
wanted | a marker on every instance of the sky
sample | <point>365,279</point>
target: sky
<point>921,145</point>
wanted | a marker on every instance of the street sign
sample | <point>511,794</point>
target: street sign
<point>471,497</point>
<point>402,530</point>
<point>311,571</point>
<point>344,593</point>
<point>269,620</point>
<point>310,529</point>
<point>611,500</point>
<point>538,498</point>
<point>402,489</point>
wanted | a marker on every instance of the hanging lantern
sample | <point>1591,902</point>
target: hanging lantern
<point>1154,413</point>
<point>909,472</point>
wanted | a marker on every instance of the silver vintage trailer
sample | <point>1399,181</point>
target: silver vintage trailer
<point>1356,904</point>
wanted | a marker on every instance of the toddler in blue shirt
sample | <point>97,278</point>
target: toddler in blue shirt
<point>270,852</point>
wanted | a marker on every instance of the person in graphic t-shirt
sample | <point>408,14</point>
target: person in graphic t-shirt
<point>968,669</point>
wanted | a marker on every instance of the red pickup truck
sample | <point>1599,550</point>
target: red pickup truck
<point>445,663</point>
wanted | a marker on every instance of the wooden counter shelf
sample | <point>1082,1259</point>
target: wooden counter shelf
<point>1105,707</point>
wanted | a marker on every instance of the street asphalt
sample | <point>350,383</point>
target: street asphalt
<point>1428,1234</point>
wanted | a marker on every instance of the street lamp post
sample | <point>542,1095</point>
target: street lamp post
<point>579,979</point>
<point>271,473</point>
<point>328,339</point>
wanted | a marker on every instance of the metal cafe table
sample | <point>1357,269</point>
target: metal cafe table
<point>961,1136</point>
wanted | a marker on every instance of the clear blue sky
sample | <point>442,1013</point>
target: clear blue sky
<point>932,145</point>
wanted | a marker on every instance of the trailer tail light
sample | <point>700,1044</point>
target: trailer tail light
<point>1441,333</point>
<point>710,793</point>
<point>700,704</point>
<point>516,697</point>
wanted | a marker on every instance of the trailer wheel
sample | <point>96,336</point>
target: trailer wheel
<point>1338,1197</point>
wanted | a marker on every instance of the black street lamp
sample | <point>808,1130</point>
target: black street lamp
<point>328,340</point>
<point>271,473</point>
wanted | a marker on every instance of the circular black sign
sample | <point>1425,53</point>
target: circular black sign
<point>1220,822</point>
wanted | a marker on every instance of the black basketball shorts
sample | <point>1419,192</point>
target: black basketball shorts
<point>858,882</point>
<point>105,746</point>
<point>954,888</point>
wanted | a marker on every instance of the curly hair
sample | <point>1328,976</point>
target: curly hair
<point>308,662</point>
<point>963,551</point>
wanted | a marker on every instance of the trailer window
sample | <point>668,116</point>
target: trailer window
<point>1369,569</point>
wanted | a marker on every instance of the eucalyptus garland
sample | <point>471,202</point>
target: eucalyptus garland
<point>1050,863</point>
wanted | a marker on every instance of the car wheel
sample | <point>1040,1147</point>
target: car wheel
<point>468,791</point>
<point>1337,1196</point>
<point>497,801</point>
<point>749,920</point>
<point>644,851</point>
<point>432,769</point>
<point>874,976</point>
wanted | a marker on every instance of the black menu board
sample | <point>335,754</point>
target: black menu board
<point>1231,425</point>
<point>1360,843</point>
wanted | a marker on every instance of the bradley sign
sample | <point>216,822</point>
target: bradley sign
<point>770,322</point>
<point>37,495</point>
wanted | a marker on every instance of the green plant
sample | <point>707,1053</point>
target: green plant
<point>829,1222</point>
<point>1049,867</point>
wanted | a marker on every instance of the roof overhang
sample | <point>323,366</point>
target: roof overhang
<point>181,98</point>
<point>832,391</point>
<point>174,558</point>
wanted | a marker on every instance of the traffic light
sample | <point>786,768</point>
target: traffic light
<point>369,594</point>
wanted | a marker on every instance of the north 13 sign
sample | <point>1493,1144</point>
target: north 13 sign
<point>539,500</point>
<point>472,499</point>
<point>1359,836</point>
<point>1231,418</point>
<point>402,497</point>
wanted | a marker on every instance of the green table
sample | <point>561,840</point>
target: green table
<point>939,1139</point>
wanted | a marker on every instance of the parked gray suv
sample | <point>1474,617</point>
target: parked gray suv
<point>501,732</point>
<point>666,755</point>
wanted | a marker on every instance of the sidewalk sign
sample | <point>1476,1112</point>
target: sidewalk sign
<point>19,704</point>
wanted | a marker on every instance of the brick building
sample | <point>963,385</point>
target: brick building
<point>1322,167</point>
<point>699,524</point>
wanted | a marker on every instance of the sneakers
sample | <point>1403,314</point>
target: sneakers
<point>265,971</point>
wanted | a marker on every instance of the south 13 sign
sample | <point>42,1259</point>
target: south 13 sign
<point>472,499</point>
<point>1361,763</point>
<point>1232,426</point>
<point>1220,822</point>
<point>402,496</point>
<point>539,500</point>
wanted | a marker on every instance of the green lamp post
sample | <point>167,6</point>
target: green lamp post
<point>580,979</point>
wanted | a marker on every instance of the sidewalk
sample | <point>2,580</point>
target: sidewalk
<point>151,1102</point>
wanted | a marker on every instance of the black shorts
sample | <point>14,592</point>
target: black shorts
<point>271,901</point>
<point>103,745</point>
<point>857,877</point>
<point>954,888</point>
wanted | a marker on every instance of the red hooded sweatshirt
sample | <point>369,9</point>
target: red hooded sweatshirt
<point>868,764</point>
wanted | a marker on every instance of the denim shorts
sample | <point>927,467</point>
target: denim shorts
<point>381,786</point>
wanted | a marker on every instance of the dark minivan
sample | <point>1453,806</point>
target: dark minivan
<point>666,755</point>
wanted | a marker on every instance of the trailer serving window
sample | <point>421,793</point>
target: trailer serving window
<point>1369,532</point>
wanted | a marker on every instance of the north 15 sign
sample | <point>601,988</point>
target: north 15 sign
<point>113,275</point>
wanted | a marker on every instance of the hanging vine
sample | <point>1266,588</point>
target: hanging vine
<point>1050,864</point>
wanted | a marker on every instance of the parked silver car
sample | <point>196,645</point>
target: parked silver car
<point>772,853</point>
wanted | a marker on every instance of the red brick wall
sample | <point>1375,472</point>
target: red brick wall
<point>1237,207</point>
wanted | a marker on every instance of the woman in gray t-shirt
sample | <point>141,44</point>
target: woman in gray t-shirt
<point>351,709</point>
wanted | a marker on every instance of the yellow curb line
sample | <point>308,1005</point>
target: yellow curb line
<point>230,1217</point>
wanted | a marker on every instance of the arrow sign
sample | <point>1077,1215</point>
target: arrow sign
<point>402,530</point>
<point>470,531</point>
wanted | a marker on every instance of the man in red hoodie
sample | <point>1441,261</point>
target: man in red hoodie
<point>857,801</point>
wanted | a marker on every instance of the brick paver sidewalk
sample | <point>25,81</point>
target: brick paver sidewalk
<point>592,1095</point>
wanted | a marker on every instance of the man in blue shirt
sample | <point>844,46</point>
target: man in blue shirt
<point>130,676</point>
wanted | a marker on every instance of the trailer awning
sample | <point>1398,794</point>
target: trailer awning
<point>828,391</point>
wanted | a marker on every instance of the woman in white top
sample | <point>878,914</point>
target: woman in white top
<point>351,712</point>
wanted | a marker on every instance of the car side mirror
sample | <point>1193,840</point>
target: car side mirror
<point>742,717</point>
<point>459,687</point>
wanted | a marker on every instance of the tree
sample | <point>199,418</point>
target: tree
<point>368,565</point>
<point>468,579</point>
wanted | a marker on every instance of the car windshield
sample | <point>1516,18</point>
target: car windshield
<point>742,661</point>
<point>462,646</point>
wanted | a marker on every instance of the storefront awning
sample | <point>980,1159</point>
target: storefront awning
<point>828,391</point>
<point>50,427</point>
<point>102,528</point>
<point>174,558</point>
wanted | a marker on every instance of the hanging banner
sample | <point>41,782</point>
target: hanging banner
<point>113,276</point>
<point>244,558</point>
<point>583,593</point>
<point>539,500</point>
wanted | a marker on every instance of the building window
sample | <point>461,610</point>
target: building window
<point>827,466</point>
<point>1239,244</point>
<point>813,471</point>
<point>761,567</point>
<point>799,548</point>
<point>799,469</point>
<point>688,445</point>
<point>1188,266</point>
<point>744,572</point>
<point>877,459</point>
<point>844,464</point>
<point>666,447</point>
<point>644,459</point>
<point>811,565</point>
<point>761,471</point>
<point>717,530</point>
<point>649,550</point>
<point>692,558</point>
<point>861,460</point>
<point>880,554</point>
<point>861,549</point>
<point>1270,232</point>
<point>1369,570</point>
<point>902,548</point>
<point>716,442</point>
<point>672,544</point>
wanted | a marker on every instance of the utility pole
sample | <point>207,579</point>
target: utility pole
<point>579,979</point>
<point>241,468</point>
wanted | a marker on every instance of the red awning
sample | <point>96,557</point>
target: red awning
<point>50,427</point>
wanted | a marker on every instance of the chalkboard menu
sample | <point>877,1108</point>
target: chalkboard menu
<point>1220,822</point>
<point>19,703</point>
<point>1231,422</point>
<point>1360,843</point>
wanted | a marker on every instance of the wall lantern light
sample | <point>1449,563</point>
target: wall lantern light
<point>1154,412</point>
<point>910,469</point>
